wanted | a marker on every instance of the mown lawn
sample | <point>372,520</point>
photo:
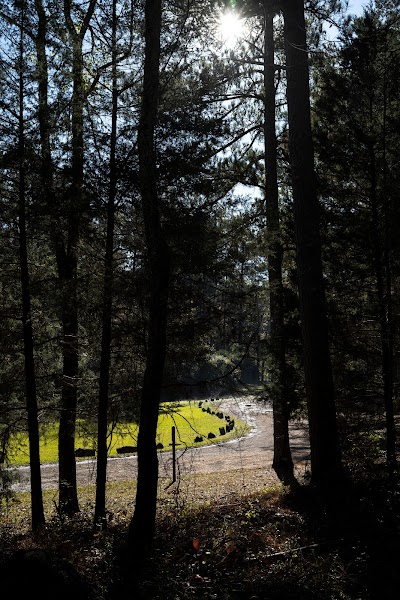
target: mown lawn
<point>188,418</point>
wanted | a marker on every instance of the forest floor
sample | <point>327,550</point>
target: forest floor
<point>226,529</point>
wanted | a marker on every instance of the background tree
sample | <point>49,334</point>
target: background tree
<point>359,187</point>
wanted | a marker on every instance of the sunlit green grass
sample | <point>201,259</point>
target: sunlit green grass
<point>189,420</point>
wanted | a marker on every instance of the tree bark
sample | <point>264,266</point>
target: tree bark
<point>142,526</point>
<point>282,462</point>
<point>324,441</point>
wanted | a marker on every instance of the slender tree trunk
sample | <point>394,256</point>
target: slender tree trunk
<point>388,332</point>
<point>282,463</point>
<point>68,493</point>
<point>384,291</point>
<point>38,518</point>
<point>142,526</point>
<point>100,508</point>
<point>65,269</point>
<point>68,273</point>
<point>47,169</point>
<point>324,442</point>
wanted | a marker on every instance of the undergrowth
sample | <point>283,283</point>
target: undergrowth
<point>273,543</point>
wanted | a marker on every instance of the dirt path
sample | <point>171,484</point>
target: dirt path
<point>248,452</point>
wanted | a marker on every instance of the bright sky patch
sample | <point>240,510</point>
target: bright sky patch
<point>231,28</point>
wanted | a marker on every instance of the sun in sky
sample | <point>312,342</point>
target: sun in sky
<point>230,28</point>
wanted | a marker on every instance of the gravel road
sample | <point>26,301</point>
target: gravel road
<point>255,449</point>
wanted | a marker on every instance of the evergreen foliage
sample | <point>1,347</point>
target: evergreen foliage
<point>140,259</point>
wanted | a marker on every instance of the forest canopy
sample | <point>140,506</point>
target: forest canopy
<point>198,198</point>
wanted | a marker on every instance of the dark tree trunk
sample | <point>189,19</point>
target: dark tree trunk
<point>68,273</point>
<point>44,128</point>
<point>142,526</point>
<point>384,292</point>
<point>324,441</point>
<point>282,463</point>
<point>388,331</point>
<point>68,494</point>
<point>30,376</point>
<point>100,507</point>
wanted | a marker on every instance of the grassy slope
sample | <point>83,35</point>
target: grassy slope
<point>187,417</point>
